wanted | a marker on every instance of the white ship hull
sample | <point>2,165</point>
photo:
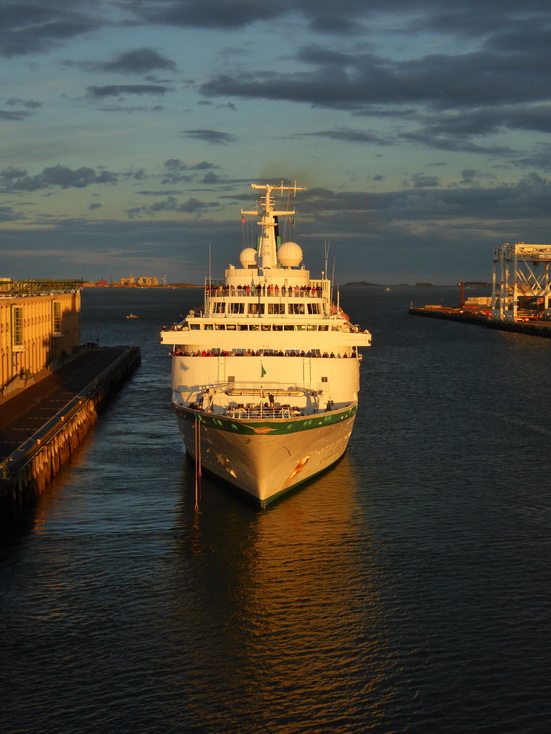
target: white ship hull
<point>266,375</point>
<point>266,458</point>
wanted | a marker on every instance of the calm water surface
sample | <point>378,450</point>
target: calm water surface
<point>405,590</point>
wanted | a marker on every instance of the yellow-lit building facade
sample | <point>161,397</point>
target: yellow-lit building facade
<point>37,332</point>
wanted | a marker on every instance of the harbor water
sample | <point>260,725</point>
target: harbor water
<point>407,589</point>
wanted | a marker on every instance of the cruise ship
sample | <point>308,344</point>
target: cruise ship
<point>265,378</point>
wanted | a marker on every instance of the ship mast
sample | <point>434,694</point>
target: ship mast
<point>267,250</point>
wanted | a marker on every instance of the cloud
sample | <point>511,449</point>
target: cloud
<point>487,120</point>
<point>7,214</point>
<point>457,145</point>
<point>219,14</point>
<point>355,81</point>
<point>29,104</point>
<point>171,204</point>
<point>17,179</point>
<point>212,137</point>
<point>178,171</point>
<point>540,158</point>
<point>122,90</point>
<point>14,115</point>
<point>469,176</point>
<point>138,61</point>
<point>468,19</point>
<point>347,135</point>
<point>37,28</point>
<point>333,24</point>
<point>422,181</point>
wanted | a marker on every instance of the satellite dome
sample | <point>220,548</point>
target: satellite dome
<point>248,257</point>
<point>289,255</point>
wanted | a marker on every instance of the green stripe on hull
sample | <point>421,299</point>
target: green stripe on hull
<point>268,428</point>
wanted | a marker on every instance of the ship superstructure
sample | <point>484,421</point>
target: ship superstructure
<point>265,379</point>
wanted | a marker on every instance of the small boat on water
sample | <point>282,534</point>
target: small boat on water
<point>131,316</point>
<point>266,375</point>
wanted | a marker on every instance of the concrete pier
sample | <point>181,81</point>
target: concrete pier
<point>43,424</point>
<point>532,328</point>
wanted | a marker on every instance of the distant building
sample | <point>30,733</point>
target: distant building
<point>36,332</point>
<point>141,281</point>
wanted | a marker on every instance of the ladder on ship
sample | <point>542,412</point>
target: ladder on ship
<point>307,371</point>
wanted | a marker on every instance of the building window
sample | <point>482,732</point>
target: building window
<point>17,326</point>
<point>324,379</point>
<point>56,316</point>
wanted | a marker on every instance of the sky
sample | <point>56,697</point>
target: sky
<point>131,131</point>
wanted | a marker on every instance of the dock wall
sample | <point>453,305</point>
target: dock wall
<point>531,328</point>
<point>26,472</point>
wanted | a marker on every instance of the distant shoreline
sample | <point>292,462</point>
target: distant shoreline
<point>466,284</point>
<point>115,286</point>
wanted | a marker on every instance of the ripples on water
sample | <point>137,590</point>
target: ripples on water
<point>406,589</point>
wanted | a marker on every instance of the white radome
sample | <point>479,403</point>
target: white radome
<point>289,255</point>
<point>247,257</point>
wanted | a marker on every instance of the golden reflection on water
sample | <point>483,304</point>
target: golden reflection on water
<point>50,500</point>
<point>297,599</point>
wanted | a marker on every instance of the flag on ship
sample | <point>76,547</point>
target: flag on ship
<point>262,370</point>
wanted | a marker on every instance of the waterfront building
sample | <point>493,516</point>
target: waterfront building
<point>37,332</point>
